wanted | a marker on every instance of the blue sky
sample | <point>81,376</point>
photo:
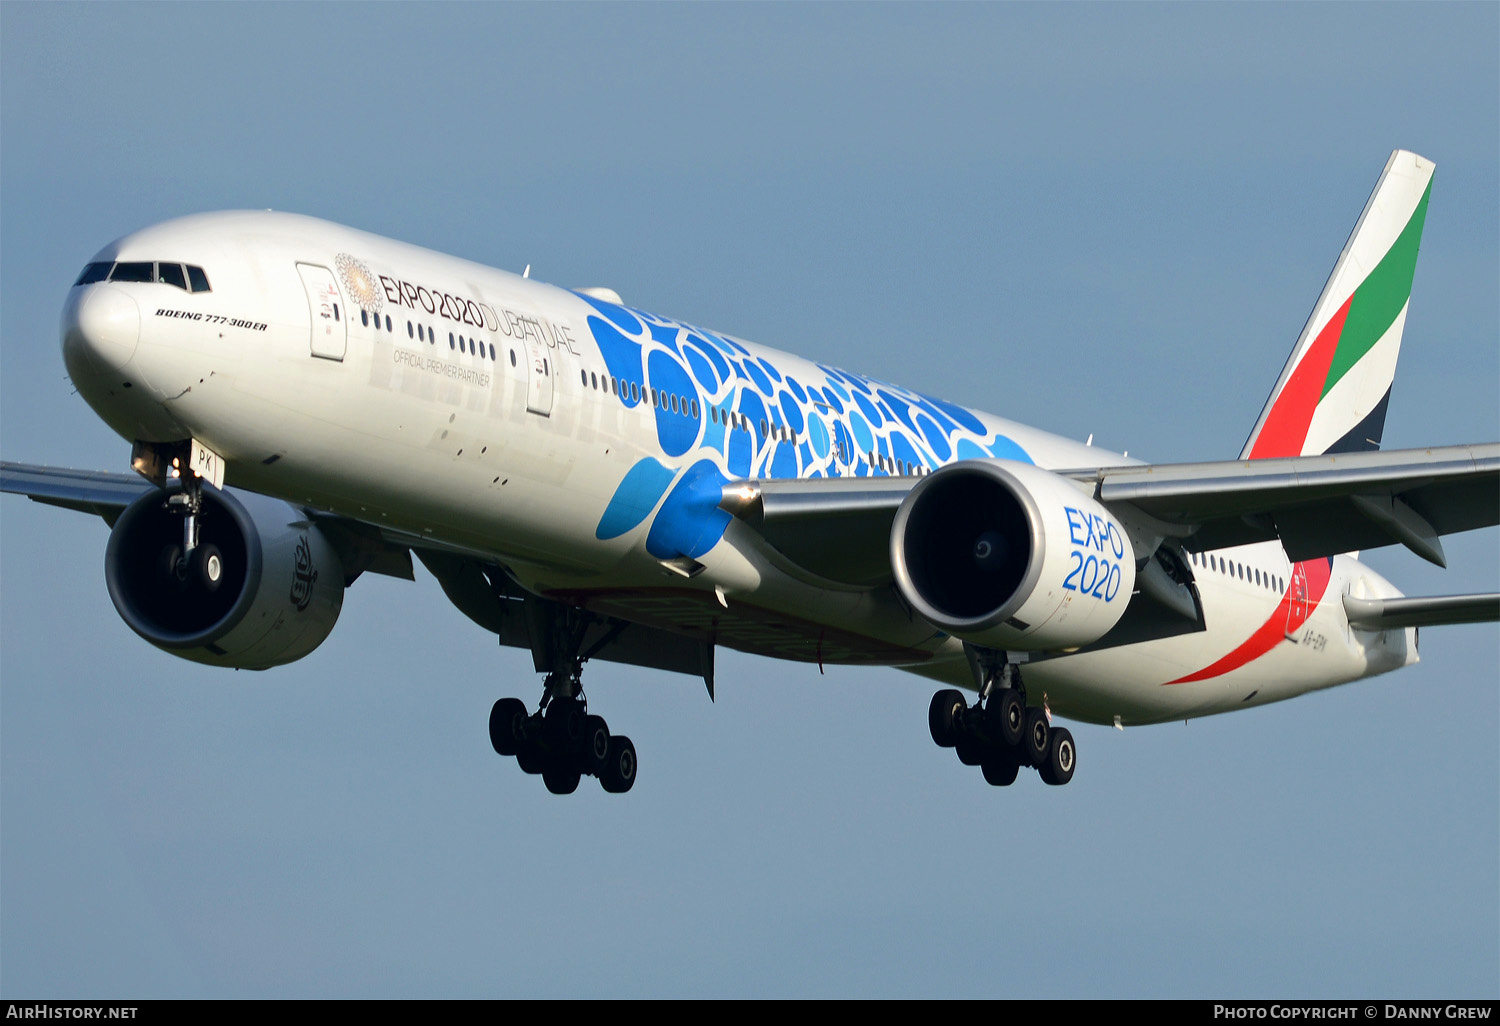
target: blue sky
<point>1096,219</point>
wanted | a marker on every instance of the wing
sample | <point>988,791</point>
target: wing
<point>1319,505</point>
<point>88,491</point>
<point>839,529</point>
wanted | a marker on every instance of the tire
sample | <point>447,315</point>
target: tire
<point>1001,767</point>
<point>564,726</point>
<point>619,774</point>
<point>971,750</point>
<point>531,758</point>
<point>172,582</point>
<point>1034,741</point>
<point>1062,758</point>
<point>595,745</point>
<point>206,568</point>
<point>1005,717</point>
<point>508,726</point>
<point>943,716</point>
<point>561,775</point>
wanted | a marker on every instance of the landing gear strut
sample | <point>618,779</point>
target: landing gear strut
<point>1000,733</point>
<point>561,741</point>
<point>195,565</point>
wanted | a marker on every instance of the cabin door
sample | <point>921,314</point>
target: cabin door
<point>541,371</point>
<point>330,329</point>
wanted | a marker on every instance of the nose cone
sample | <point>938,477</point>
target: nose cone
<point>100,326</point>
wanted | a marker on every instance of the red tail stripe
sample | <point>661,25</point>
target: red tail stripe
<point>1291,415</point>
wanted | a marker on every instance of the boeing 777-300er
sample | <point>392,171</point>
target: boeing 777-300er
<point>591,481</point>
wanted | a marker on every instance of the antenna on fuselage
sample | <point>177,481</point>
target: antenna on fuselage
<point>526,273</point>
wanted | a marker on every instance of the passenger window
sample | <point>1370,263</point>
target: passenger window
<point>93,273</point>
<point>364,318</point>
<point>197,279</point>
<point>492,350</point>
<point>171,274</point>
<point>512,357</point>
<point>388,322</point>
<point>695,408</point>
<point>585,376</point>
<point>135,271</point>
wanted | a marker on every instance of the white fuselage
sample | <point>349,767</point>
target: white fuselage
<point>495,415</point>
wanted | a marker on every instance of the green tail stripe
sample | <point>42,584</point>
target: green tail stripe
<point>1380,297</point>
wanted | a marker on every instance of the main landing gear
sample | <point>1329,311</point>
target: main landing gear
<point>1000,733</point>
<point>561,741</point>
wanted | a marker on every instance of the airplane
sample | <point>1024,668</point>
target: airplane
<point>307,403</point>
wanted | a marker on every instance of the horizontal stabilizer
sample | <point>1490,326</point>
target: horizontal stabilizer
<point>1377,614</point>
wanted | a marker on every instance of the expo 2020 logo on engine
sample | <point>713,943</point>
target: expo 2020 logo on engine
<point>359,282</point>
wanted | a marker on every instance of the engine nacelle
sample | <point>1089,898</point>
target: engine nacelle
<point>1011,556</point>
<point>272,596</point>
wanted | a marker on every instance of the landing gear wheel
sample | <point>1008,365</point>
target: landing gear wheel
<point>173,572</point>
<point>943,716</point>
<point>561,775</point>
<point>1062,757</point>
<point>595,745</point>
<point>1005,716</point>
<point>508,726</point>
<point>1034,742</point>
<point>531,758</point>
<point>206,568</point>
<point>564,725</point>
<point>619,772</point>
<point>971,750</point>
<point>1000,767</point>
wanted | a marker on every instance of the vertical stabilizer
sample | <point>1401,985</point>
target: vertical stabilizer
<point>1333,391</point>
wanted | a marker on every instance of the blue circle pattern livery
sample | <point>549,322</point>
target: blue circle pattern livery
<point>844,414</point>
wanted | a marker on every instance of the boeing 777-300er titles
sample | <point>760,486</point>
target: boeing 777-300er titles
<point>591,481</point>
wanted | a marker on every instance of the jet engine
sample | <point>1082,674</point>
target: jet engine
<point>1010,556</point>
<point>262,587</point>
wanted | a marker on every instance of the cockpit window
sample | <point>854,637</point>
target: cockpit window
<point>171,274</point>
<point>141,270</point>
<point>93,273</point>
<point>133,271</point>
